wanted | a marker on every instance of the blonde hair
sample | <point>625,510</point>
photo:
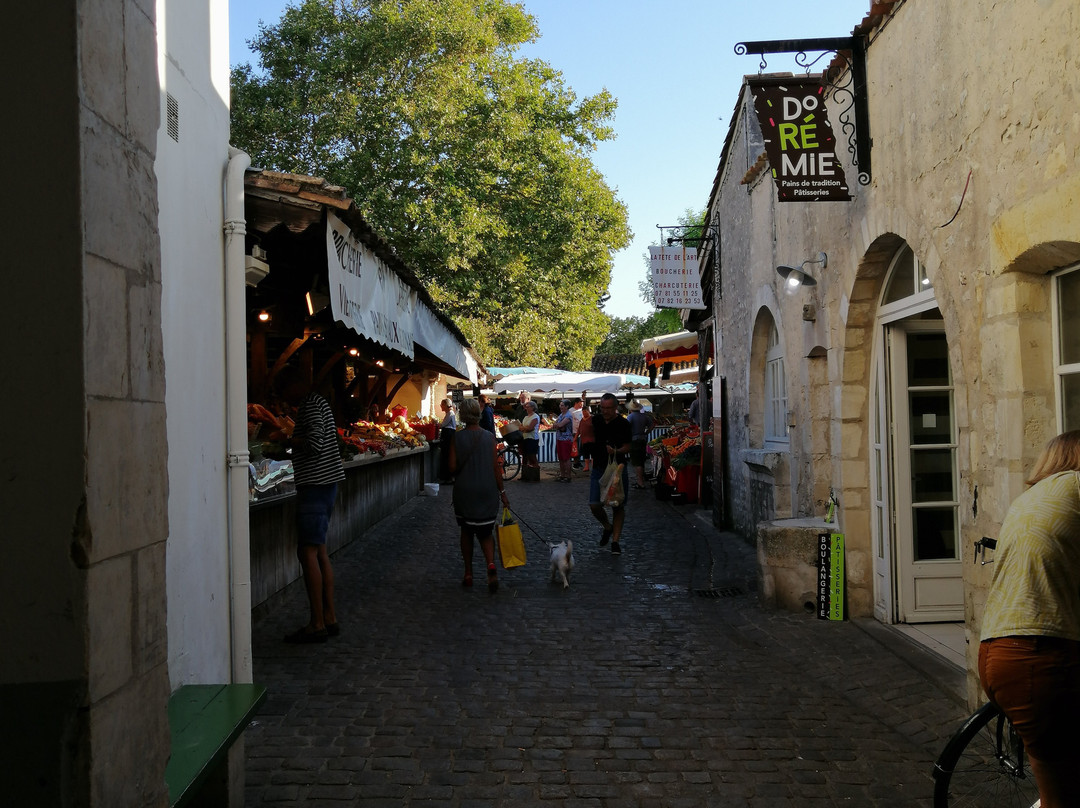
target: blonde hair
<point>449,402</point>
<point>469,410</point>
<point>1060,454</point>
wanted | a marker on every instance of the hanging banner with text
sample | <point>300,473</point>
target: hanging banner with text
<point>830,576</point>
<point>365,294</point>
<point>675,279</point>
<point>799,141</point>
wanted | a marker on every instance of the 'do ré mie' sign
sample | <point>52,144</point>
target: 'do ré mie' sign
<point>799,141</point>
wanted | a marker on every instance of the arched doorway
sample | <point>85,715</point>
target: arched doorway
<point>913,441</point>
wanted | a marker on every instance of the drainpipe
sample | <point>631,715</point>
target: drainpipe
<point>236,418</point>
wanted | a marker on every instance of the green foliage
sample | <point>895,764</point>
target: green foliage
<point>627,333</point>
<point>474,164</point>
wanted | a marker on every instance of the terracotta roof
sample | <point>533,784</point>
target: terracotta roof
<point>629,363</point>
<point>619,363</point>
<point>760,165</point>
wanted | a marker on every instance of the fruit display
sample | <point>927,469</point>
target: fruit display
<point>268,432</point>
<point>365,436</point>
<point>682,444</point>
<point>262,423</point>
<point>426,425</point>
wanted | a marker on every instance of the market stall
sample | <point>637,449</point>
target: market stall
<point>327,295</point>
<point>682,453</point>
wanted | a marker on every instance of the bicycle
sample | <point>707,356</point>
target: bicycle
<point>984,764</point>
<point>510,459</point>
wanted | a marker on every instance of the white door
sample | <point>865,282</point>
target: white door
<point>923,448</point>
<point>880,502</point>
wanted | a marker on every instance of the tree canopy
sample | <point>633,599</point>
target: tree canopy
<point>473,163</point>
<point>627,333</point>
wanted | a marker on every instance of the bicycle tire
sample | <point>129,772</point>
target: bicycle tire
<point>983,764</point>
<point>511,463</point>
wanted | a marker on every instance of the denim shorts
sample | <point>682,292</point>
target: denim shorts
<point>314,504</point>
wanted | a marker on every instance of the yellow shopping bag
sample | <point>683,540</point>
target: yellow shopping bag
<point>511,544</point>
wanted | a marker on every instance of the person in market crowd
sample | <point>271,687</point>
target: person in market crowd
<point>317,470</point>
<point>1029,654</point>
<point>611,444</point>
<point>478,490</point>
<point>564,440</point>
<point>487,414</point>
<point>447,428</point>
<point>585,435</point>
<point>640,423</point>
<point>696,414</point>
<point>530,437</point>
<point>521,408</point>
<point>576,413</point>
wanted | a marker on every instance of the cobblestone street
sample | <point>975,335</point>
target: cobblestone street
<point>655,680</point>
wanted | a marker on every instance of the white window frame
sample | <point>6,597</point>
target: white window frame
<point>1061,370</point>
<point>775,421</point>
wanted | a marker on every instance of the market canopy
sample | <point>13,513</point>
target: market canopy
<point>498,373</point>
<point>682,346</point>
<point>570,382</point>
<point>323,267</point>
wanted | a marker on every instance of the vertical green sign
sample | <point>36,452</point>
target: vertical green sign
<point>830,576</point>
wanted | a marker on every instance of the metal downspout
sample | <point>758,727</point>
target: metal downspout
<point>236,419</point>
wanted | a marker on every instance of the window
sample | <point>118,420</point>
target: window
<point>1067,356</point>
<point>775,391</point>
<point>907,284</point>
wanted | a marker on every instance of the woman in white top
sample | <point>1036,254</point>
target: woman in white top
<point>530,434</point>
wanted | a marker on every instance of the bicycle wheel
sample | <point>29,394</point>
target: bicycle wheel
<point>511,463</point>
<point>983,764</point>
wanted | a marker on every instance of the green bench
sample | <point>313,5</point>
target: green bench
<point>204,721</point>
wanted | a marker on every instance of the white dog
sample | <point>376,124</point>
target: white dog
<point>562,561</point>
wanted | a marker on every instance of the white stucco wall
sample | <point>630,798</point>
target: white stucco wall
<point>193,66</point>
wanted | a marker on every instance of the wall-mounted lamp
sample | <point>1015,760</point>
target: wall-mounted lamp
<point>264,316</point>
<point>316,302</point>
<point>794,277</point>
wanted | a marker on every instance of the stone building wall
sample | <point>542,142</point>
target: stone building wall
<point>961,95</point>
<point>84,681</point>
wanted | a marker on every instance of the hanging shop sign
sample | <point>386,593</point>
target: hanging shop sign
<point>365,294</point>
<point>799,141</point>
<point>675,277</point>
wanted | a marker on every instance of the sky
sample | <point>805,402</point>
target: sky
<point>673,69</point>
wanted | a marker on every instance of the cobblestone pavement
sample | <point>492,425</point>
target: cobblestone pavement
<point>655,680</point>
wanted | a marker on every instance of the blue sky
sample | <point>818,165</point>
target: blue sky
<point>673,69</point>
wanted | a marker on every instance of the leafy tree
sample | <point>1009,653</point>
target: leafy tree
<point>627,333</point>
<point>473,163</point>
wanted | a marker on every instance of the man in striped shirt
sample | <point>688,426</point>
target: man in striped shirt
<point>317,470</point>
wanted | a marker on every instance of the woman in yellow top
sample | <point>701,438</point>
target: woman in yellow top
<point>1029,657</point>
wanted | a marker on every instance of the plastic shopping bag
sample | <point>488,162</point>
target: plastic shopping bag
<point>511,544</point>
<point>611,487</point>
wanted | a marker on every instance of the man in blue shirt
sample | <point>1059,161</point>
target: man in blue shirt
<point>487,415</point>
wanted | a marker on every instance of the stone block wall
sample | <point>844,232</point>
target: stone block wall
<point>83,588</point>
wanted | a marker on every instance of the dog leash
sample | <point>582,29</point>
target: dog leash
<point>530,527</point>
